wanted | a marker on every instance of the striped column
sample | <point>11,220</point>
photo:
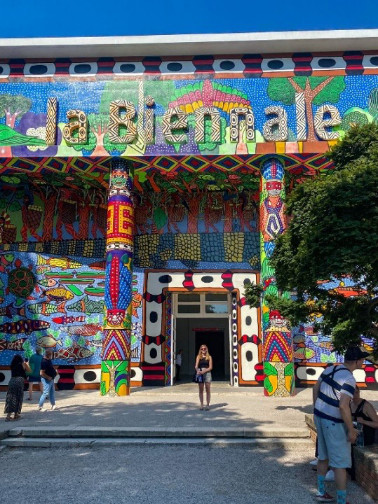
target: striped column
<point>115,365</point>
<point>277,339</point>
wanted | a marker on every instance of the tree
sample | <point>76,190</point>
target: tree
<point>333,235</point>
<point>98,138</point>
<point>12,107</point>
<point>316,90</point>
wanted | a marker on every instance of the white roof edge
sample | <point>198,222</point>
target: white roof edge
<point>189,45</point>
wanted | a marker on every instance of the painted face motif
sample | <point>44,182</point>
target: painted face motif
<point>118,179</point>
<point>274,187</point>
<point>116,191</point>
<point>115,317</point>
<point>119,246</point>
<point>276,319</point>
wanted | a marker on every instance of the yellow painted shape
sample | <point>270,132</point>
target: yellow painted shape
<point>233,246</point>
<point>123,390</point>
<point>274,381</point>
<point>280,147</point>
<point>105,378</point>
<point>331,143</point>
<point>288,383</point>
<point>188,246</point>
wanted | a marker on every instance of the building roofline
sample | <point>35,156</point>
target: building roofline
<point>189,45</point>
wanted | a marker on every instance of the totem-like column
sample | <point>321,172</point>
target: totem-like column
<point>115,365</point>
<point>277,338</point>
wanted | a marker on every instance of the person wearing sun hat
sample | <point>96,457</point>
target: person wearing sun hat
<point>332,396</point>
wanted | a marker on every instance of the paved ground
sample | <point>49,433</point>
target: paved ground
<point>176,406</point>
<point>161,475</point>
<point>165,474</point>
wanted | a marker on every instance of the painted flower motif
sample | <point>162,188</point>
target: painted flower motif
<point>34,125</point>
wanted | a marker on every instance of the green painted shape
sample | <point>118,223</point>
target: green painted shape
<point>59,274</point>
<point>269,369</point>
<point>9,137</point>
<point>75,290</point>
<point>268,386</point>
<point>94,291</point>
<point>289,370</point>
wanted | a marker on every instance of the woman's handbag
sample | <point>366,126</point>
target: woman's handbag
<point>198,378</point>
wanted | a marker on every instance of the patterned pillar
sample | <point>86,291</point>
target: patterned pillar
<point>115,365</point>
<point>277,339</point>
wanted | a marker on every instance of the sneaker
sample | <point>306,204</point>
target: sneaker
<point>324,498</point>
<point>330,476</point>
<point>53,407</point>
<point>41,408</point>
<point>314,462</point>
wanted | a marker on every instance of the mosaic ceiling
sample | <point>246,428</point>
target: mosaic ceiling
<point>160,173</point>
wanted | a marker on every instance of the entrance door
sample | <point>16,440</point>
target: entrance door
<point>214,340</point>
<point>201,317</point>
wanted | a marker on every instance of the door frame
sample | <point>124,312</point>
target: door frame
<point>245,333</point>
<point>173,293</point>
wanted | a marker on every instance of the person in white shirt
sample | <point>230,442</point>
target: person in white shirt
<point>332,396</point>
<point>178,364</point>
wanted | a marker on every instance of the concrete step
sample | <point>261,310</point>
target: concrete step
<point>74,436</point>
<point>55,442</point>
<point>159,432</point>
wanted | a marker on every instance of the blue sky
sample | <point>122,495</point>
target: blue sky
<point>52,18</point>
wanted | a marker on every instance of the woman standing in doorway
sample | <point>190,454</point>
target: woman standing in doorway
<point>203,366</point>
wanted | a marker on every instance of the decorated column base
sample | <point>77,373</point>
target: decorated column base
<point>279,379</point>
<point>115,378</point>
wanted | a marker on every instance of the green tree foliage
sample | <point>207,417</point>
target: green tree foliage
<point>316,90</point>
<point>333,234</point>
<point>13,107</point>
<point>373,103</point>
<point>353,118</point>
<point>320,89</point>
<point>208,145</point>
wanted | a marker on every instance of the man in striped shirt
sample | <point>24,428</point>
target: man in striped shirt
<point>332,396</point>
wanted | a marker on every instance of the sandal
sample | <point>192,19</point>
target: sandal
<point>8,419</point>
<point>201,408</point>
<point>17,417</point>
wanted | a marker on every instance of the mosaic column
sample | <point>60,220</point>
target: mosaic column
<point>115,365</point>
<point>277,338</point>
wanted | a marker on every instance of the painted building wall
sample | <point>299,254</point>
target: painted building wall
<point>198,133</point>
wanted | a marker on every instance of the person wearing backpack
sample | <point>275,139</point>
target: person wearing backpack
<point>332,396</point>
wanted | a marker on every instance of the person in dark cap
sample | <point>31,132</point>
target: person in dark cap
<point>332,395</point>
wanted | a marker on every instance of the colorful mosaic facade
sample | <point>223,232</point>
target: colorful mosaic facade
<point>212,146</point>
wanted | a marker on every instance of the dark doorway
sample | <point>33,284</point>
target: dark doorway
<point>214,340</point>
